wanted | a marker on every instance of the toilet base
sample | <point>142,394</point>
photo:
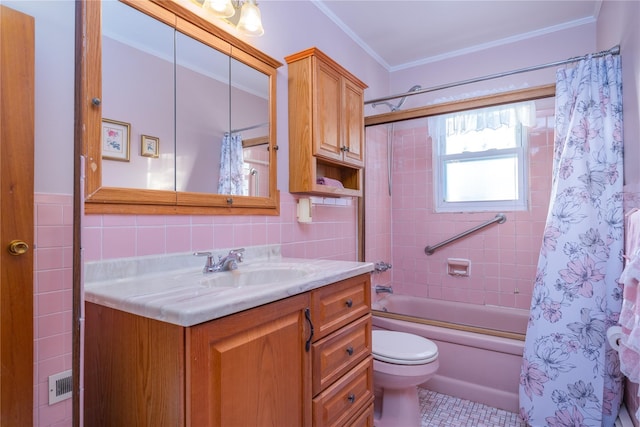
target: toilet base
<point>400,408</point>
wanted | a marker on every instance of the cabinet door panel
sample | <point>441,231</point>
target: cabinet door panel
<point>353,124</point>
<point>251,368</point>
<point>328,141</point>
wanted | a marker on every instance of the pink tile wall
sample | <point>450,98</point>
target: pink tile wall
<point>52,303</point>
<point>331,234</point>
<point>503,257</point>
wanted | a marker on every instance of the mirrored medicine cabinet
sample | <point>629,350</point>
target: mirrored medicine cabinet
<point>175,114</point>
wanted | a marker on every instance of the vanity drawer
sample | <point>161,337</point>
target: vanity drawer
<point>363,419</point>
<point>342,400</point>
<point>335,354</point>
<point>334,306</point>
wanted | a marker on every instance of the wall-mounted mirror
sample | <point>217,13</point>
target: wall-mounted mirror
<point>186,119</point>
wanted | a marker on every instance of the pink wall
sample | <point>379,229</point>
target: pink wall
<point>52,303</point>
<point>331,234</point>
<point>503,257</point>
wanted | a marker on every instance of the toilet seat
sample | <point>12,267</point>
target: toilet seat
<point>402,348</point>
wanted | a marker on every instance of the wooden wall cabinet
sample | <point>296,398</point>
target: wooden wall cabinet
<point>253,368</point>
<point>326,125</point>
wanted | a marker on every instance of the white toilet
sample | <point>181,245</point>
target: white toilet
<point>401,362</point>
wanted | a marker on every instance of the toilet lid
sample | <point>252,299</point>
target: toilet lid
<point>403,348</point>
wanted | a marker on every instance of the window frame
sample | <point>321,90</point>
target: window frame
<point>439,181</point>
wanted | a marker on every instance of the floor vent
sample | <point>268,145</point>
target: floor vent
<point>60,387</point>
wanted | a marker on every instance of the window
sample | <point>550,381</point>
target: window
<point>479,158</point>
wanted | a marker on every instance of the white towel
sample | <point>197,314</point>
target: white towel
<point>630,320</point>
<point>629,350</point>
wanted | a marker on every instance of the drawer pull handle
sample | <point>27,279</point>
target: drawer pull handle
<point>351,398</point>
<point>307,315</point>
<point>350,351</point>
<point>349,303</point>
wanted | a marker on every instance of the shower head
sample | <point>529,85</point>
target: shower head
<point>404,98</point>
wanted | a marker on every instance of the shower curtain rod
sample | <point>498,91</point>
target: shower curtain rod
<point>613,51</point>
<point>260,125</point>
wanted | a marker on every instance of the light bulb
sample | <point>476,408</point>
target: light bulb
<point>250,20</point>
<point>220,8</point>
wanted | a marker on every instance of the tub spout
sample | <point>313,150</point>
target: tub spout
<point>383,289</point>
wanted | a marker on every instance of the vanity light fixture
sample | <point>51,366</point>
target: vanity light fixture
<point>250,20</point>
<point>220,8</point>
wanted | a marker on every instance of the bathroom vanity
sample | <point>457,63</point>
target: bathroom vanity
<point>293,352</point>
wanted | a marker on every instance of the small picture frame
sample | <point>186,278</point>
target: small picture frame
<point>115,140</point>
<point>149,146</point>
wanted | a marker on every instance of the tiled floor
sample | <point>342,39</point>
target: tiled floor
<point>440,410</point>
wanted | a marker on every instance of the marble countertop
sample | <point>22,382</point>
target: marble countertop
<point>173,288</point>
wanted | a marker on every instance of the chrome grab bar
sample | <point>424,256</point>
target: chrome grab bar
<point>499,218</point>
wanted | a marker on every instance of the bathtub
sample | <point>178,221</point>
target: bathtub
<point>480,347</point>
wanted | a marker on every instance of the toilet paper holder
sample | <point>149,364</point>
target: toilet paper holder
<point>614,334</point>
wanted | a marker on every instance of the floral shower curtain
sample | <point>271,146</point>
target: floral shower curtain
<point>570,375</point>
<point>231,163</point>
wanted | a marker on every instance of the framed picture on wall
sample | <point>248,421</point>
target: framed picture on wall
<point>149,146</point>
<point>115,140</point>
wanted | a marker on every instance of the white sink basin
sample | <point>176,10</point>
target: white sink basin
<point>256,275</point>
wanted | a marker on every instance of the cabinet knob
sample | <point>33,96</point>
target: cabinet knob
<point>350,351</point>
<point>351,398</point>
<point>349,303</point>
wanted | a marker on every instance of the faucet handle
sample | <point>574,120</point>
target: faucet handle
<point>239,253</point>
<point>209,264</point>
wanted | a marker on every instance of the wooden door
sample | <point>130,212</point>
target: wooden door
<point>327,138</point>
<point>353,123</point>
<point>251,368</point>
<point>16,217</point>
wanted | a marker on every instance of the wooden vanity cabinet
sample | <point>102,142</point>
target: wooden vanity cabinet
<point>326,125</point>
<point>252,368</point>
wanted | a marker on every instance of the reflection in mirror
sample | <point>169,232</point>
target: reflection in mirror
<point>220,105</point>
<point>202,114</point>
<point>137,89</point>
<point>250,125</point>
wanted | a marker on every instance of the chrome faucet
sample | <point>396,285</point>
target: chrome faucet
<point>383,289</point>
<point>227,263</point>
<point>381,266</point>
